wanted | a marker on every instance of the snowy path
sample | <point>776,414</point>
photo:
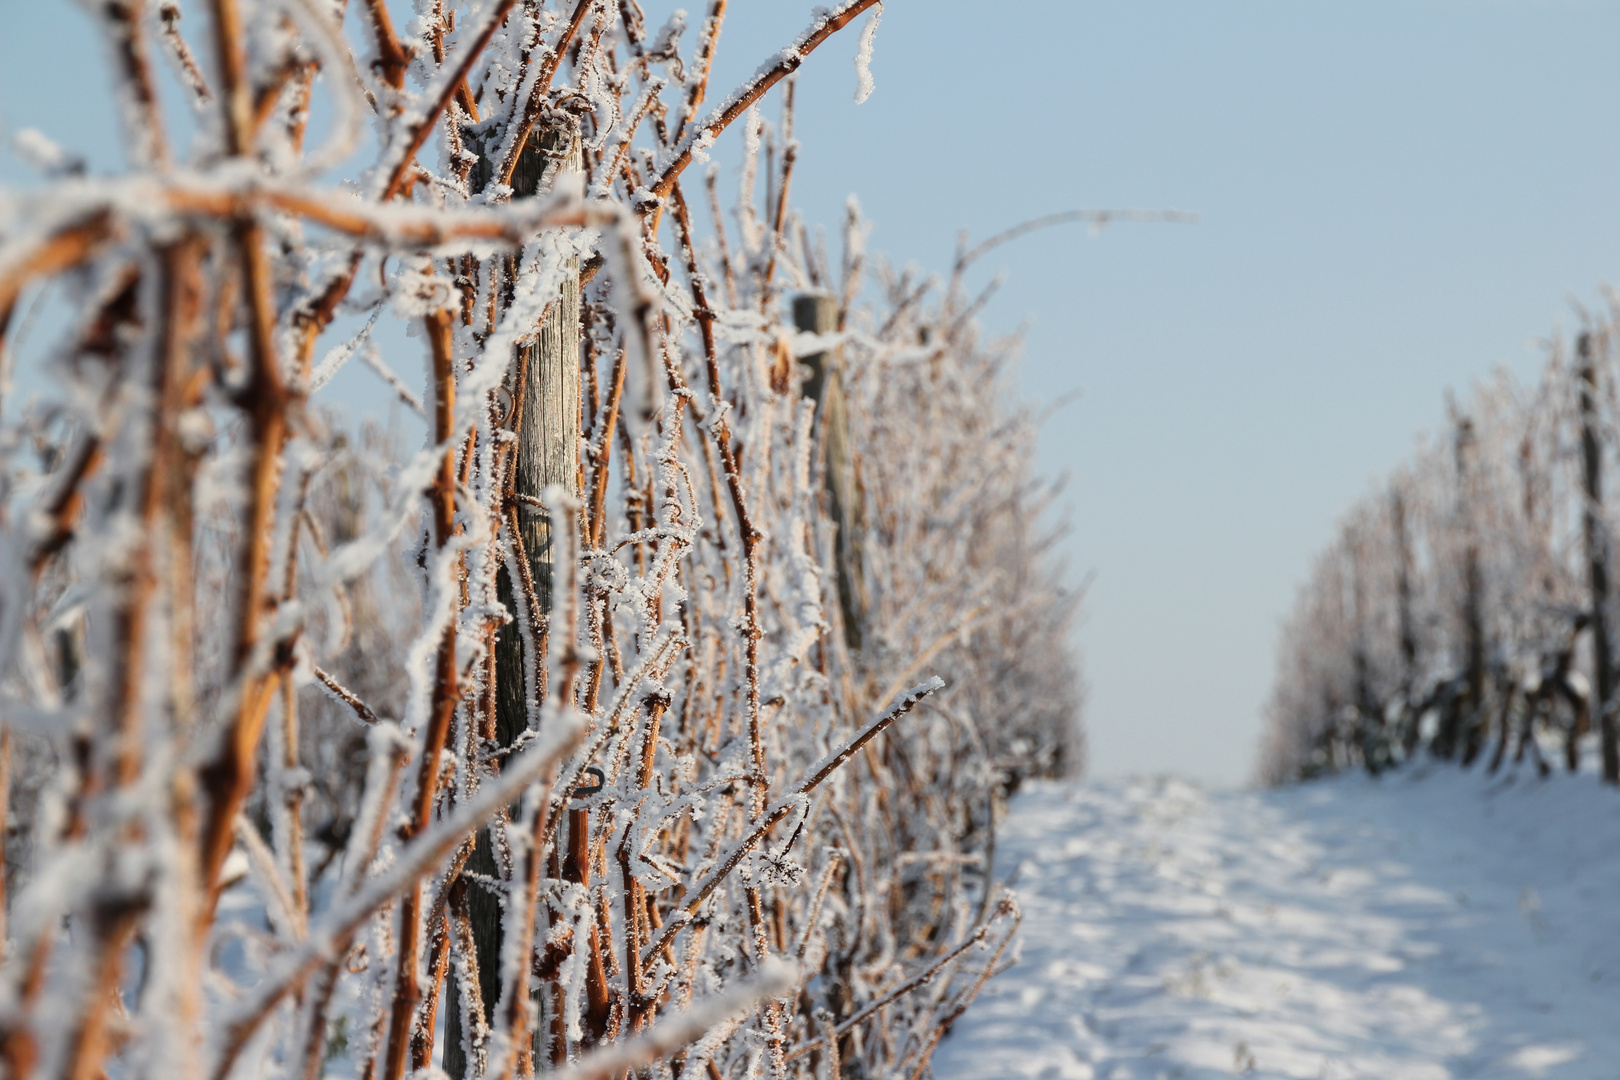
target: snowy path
<point>1401,929</point>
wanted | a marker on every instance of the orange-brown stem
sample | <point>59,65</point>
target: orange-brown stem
<point>446,692</point>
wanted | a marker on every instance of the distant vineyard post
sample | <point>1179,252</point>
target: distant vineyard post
<point>1597,556</point>
<point>1369,715</point>
<point>1474,597</point>
<point>817,313</point>
<point>1460,714</point>
<point>1403,599</point>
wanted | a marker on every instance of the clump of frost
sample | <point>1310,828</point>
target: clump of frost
<point>863,57</point>
<point>40,153</point>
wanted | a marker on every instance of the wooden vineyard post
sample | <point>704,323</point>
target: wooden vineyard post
<point>547,424</point>
<point>1369,733</point>
<point>1596,535</point>
<point>817,313</point>
<point>1461,715</point>
<point>1408,626</point>
<point>1474,601</point>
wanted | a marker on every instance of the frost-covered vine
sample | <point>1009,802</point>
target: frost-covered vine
<point>601,731</point>
<point>1466,611</point>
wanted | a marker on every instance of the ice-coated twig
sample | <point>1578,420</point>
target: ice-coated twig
<point>1095,218</point>
<point>1007,907</point>
<point>329,683</point>
<point>413,861</point>
<point>775,978</point>
<point>825,24</point>
<point>785,806</point>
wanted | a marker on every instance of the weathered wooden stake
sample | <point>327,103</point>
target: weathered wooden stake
<point>1408,625</point>
<point>1369,733</point>
<point>1474,603</point>
<point>1597,558</point>
<point>817,313</point>
<point>548,453</point>
<point>1462,714</point>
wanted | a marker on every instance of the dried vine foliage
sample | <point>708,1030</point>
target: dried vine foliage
<point>596,735</point>
<point>1467,611</point>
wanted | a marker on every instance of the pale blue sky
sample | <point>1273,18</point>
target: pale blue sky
<point>1395,197</point>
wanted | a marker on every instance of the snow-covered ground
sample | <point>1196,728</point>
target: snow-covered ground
<point>1409,928</point>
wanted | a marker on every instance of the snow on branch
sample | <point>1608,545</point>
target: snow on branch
<point>641,560</point>
<point>768,74</point>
